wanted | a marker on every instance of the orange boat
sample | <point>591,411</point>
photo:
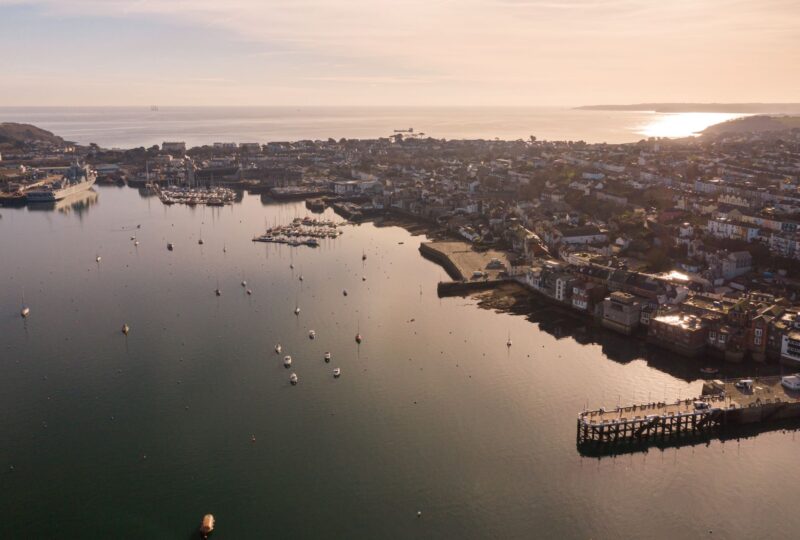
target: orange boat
<point>207,526</point>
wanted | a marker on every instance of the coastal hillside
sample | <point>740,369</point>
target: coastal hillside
<point>12,133</point>
<point>754,124</point>
<point>750,108</point>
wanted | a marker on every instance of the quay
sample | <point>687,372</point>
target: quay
<point>463,262</point>
<point>724,408</point>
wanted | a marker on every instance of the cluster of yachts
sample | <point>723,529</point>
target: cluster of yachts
<point>212,196</point>
<point>287,361</point>
<point>301,231</point>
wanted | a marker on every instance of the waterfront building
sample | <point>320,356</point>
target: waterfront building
<point>790,349</point>
<point>621,312</point>
<point>679,332</point>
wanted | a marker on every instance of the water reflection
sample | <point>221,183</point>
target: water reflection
<point>562,324</point>
<point>683,124</point>
<point>79,203</point>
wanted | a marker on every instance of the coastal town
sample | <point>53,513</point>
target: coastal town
<point>691,244</point>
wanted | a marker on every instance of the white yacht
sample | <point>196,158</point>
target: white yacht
<point>327,357</point>
<point>337,372</point>
<point>287,361</point>
<point>293,378</point>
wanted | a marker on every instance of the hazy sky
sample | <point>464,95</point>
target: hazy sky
<point>403,52</point>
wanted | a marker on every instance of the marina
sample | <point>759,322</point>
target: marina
<point>301,232</point>
<point>192,196</point>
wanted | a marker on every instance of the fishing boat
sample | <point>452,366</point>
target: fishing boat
<point>327,357</point>
<point>337,372</point>
<point>287,361</point>
<point>293,378</point>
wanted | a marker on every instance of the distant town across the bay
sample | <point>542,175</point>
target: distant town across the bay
<point>692,244</point>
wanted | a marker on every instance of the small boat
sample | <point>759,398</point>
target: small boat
<point>136,243</point>
<point>249,291</point>
<point>297,311</point>
<point>301,277</point>
<point>25,311</point>
<point>207,525</point>
<point>508,343</point>
<point>98,258</point>
<point>287,361</point>
<point>293,378</point>
<point>278,348</point>
<point>344,292</point>
<point>311,334</point>
<point>126,329</point>
<point>709,371</point>
<point>327,357</point>
<point>170,246</point>
<point>363,278</point>
<point>358,338</point>
<point>244,283</point>
<point>337,372</point>
<point>291,266</point>
<point>218,292</point>
<point>363,256</point>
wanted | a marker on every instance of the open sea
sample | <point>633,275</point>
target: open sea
<point>108,436</point>
<point>128,127</point>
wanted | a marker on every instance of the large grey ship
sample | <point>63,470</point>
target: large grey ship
<point>77,178</point>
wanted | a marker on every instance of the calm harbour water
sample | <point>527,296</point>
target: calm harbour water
<point>112,437</point>
<point>128,127</point>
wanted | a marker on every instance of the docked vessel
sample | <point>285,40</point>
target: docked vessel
<point>75,180</point>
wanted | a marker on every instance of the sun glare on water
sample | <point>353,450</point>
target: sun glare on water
<point>683,124</point>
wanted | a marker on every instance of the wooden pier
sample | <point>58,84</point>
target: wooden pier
<point>724,405</point>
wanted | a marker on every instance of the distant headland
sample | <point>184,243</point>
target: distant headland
<point>748,108</point>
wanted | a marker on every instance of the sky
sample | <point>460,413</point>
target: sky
<point>399,52</point>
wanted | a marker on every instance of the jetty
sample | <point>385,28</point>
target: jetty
<point>725,408</point>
